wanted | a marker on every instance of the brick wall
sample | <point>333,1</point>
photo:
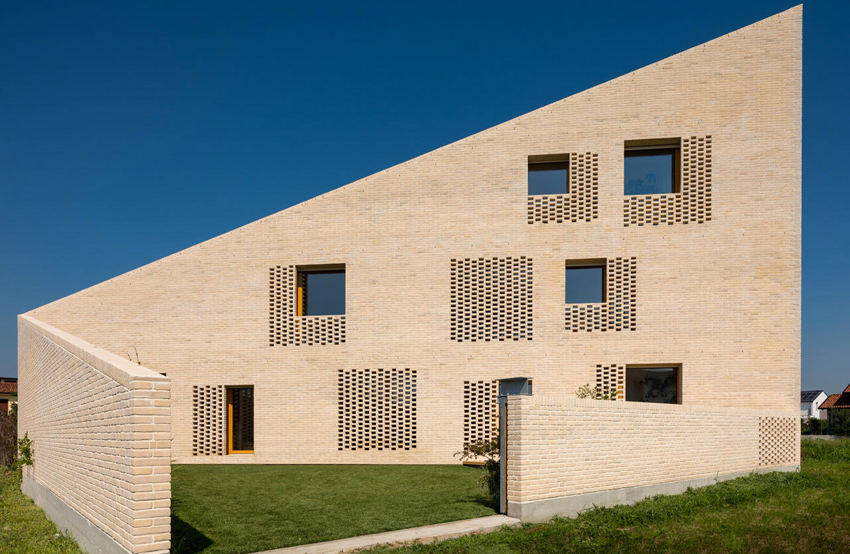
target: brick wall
<point>101,432</point>
<point>560,446</point>
<point>721,297</point>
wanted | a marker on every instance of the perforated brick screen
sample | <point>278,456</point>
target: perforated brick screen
<point>491,299</point>
<point>209,423</point>
<point>480,410</point>
<point>377,409</point>
<point>778,440</point>
<point>611,380</point>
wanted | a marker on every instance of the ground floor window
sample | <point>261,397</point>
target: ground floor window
<point>240,420</point>
<point>653,384</point>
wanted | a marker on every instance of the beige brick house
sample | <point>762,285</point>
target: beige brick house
<point>643,236</point>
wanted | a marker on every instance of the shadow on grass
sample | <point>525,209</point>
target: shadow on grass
<point>185,539</point>
<point>481,499</point>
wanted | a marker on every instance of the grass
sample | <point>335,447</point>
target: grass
<point>23,527</point>
<point>233,509</point>
<point>770,513</point>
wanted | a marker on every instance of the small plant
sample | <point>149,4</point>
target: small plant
<point>138,361</point>
<point>586,391</point>
<point>25,453</point>
<point>488,450</point>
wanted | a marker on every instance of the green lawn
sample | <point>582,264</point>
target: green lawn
<point>23,527</point>
<point>249,508</point>
<point>771,513</point>
<point>246,508</point>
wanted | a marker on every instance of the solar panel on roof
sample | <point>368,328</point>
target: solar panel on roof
<point>809,395</point>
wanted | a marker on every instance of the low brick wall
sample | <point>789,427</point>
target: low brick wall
<point>566,454</point>
<point>100,426</point>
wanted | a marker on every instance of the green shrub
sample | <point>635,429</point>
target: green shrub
<point>25,453</point>
<point>488,451</point>
<point>813,426</point>
<point>840,422</point>
<point>586,391</point>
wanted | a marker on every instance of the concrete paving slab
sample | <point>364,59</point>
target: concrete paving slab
<point>427,533</point>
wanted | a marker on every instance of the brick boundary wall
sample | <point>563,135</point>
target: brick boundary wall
<point>101,431</point>
<point>566,455</point>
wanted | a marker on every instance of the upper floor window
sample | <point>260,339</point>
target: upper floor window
<point>585,282</point>
<point>321,290</point>
<point>653,384</point>
<point>548,174</point>
<point>652,166</point>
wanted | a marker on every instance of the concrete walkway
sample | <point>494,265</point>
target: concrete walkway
<point>427,533</point>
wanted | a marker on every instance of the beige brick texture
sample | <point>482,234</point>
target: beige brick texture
<point>719,295</point>
<point>101,434</point>
<point>561,446</point>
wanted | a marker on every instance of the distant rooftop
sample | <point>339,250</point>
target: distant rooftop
<point>810,395</point>
<point>837,400</point>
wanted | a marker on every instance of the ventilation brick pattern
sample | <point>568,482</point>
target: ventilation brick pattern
<point>480,410</point>
<point>491,299</point>
<point>208,420</point>
<point>288,328</point>
<point>691,205</point>
<point>377,409</point>
<point>777,440</point>
<point>611,380</point>
<point>582,201</point>
<point>617,313</point>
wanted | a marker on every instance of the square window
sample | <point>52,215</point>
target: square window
<point>653,384</point>
<point>651,167</point>
<point>548,175</point>
<point>585,283</point>
<point>321,291</point>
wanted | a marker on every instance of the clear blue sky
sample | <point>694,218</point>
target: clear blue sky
<point>132,130</point>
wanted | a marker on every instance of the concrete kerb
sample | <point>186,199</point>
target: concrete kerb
<point>427,533</point>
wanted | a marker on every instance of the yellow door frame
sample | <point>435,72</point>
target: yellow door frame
<point>230,424</point>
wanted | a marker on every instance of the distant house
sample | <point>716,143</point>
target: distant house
<point>810,402</point>
<point>836,402</point>
<point>8,392</point>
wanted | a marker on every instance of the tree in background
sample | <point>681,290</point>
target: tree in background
<point>9,436</point>
<point>840,422</point>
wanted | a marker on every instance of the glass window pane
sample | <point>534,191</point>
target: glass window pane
<point>584,285</point>
<point>656,384</point>
<point>243,419</point>
<point>324,293</point>
<point>547,178</point>
<point>649,172</point>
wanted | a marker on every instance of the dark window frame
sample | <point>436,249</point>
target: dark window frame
<point>588,264</point>
<point>231,400</point>
<point>302,272</point>
<point>655,147</point>
<point>676,366</point>
<point>548,162</point>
